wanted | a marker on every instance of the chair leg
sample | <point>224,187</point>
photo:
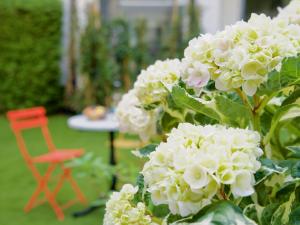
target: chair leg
<point>50,196</point>
<point>33,199</point>
<point>42,181</point>
<point>75,187</point>
<point>58,211</point>
<point>59,184</point>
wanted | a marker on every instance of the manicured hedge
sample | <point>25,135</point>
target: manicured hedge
<point>30,33</point>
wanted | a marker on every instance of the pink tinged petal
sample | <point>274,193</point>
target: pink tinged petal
<point>197,80</point>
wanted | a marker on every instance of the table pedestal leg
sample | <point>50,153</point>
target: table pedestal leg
<point>112,159</point>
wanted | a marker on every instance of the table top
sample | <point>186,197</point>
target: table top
<point>81,122</point>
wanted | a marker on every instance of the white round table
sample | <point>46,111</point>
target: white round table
<point>108,124</point>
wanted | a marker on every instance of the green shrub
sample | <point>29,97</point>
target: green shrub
<point>30,34</point>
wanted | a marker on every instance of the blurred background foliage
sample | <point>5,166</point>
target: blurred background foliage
<point>111,54</point>
<point>103,59</point>
<point>30,54</point>
<point>114,52</point>
<point>268,7</point>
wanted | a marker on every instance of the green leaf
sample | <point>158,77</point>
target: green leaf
<point>151,106</point>
<point>185,100</point>
<point>294,151</point>
<point>268,167</point>
<point>160,211</point>
<point>176,219</point>
<point>287,76</point>
<point>271,165</point>
<point>168,122</point>
<point>236,114</point>
<point>283,194</point>
<point>293,112</point>
<point>292,97</point>
<point>288,163</point>
<point>295,171</point>
<point>250,210</point>
<point>268,212</point>
<point>282,214</point>
<point>145,151</point>
<point>283,113</point>
<point>139,196</point>
<point>277,216</point>
<point>189,117</point>
<point>265,120</point>
<point>140,181</point>
<point>295,216</point>
<point>172,104</point>
<point>182,84</point>
<point>221,213</point>
<point>203,120</point>
<point>147,198</point>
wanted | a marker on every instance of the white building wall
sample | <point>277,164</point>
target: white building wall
<point>216,14</point>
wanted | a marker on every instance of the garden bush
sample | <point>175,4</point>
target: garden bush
<point>224,126</point>
<point>30,33</point>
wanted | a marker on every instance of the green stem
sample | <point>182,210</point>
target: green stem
<point>238,201</point>
<point>268,137</point>
<point>222,193</point>
<point>244,98</point>
<point>256,122</point>
<point>256,114</point>
<point>260,107</point>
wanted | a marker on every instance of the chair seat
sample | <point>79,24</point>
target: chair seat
<point>58,156</point>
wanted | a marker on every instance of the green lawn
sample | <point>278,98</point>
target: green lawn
<point>17,182</point>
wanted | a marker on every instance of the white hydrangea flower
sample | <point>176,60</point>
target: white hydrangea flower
<point>152,84</point>
<point>198,61</point>
<point>291,12</point>
<point>134,119</point>
<point>120,209</point>
<point>242,55</point>
<point>187,171</point>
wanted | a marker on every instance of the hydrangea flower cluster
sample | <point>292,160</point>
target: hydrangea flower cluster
<point>193,165</point>
<point>120,209</point>
<point>291,12</point>
<point>151,87</point>
<point>152,84</point>
<point>242,55</point>
<point>134,119</point>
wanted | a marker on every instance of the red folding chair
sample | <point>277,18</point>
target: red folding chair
<point>36,118</point>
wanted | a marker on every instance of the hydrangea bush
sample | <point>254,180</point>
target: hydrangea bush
<point>224,124</point>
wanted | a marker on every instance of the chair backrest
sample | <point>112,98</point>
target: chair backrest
<point>26,119</point>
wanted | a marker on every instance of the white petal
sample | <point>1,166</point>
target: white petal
<point>158,196</point>
<point>187,208</point>
<point>220,85</point>
<point>196,176</point>
<point>243,184</point>
<point>249,88</point>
